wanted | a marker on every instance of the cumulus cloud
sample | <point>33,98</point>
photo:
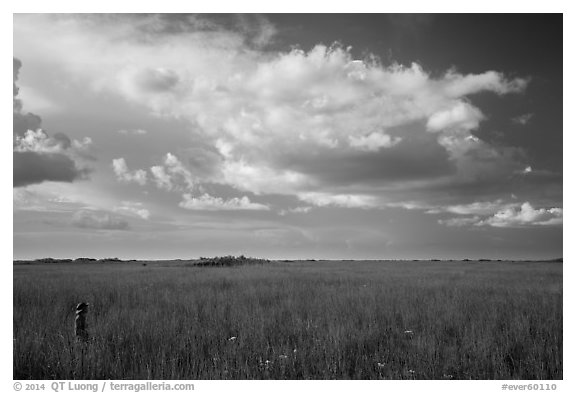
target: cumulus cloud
<point>38,141</point>
<point>98,220</point>
<point>125,175</point>
<point>461,116</point>
<point>175,168</point>
<point>458,85</point>
<point>525,215</point>
<point>339,200</point>
<point>208,202</point>
<point>172,174</point>
<point>261,179</point>
<point>134,208</point>
<point>274,119</point>
<point>373,141</point>
<point>39,157</point>
<point>161,178</point>
<point>499,214</point>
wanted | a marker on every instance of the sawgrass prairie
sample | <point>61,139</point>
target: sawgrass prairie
<point>290,320</point>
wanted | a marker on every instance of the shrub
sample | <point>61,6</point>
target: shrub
<point>230,260</point>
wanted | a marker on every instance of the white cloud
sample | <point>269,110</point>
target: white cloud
<point>410,205</point>
<point>502,215</point>
<point>161,178</point>
<point>373,142</point>
<point>38,141</point>
<point>177,169</point>
<point>136,131</point>
<point>260,179</point>
<point>123,174</point>
<point>339,200</point>
<point>172,174</point>
<point>479,208</point>
<point>461,116</point>
<point>208,202</point>
<point>526,215</point>
<point>260,109</point>
<point>457,85</point>
<point>135,208</point>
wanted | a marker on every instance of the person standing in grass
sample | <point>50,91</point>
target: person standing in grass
<point>80,328</point>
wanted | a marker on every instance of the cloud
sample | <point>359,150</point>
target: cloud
<point>480,208</point>
<point>460,221</point>
<point>339,200</point>
<point>289,122</point>
<point>123,174</point>
<point>261,179</point>
<point>161,178</point>
<point>526,215</point>
<point>38,141</point>
<point>499,214</point>
<point>26,199</point>
<point>208,202</point>
<point>172,174</point>
<point>458,85</point>
<point>299,209</point>
<point>462,116</point>
<point>39,157</point>
<point>373,141</point>
<point>136,131</point>
<point>37,101</point>
<point>523,119</point>
<point>33,168</point>
<point>98,220</point>
<point>156,80</point>
<point>135,208</point>
<point>16,65</point>
<point>175,168</point>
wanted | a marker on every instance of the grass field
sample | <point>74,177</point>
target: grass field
<point>298,320</point>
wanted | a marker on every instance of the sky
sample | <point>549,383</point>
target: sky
<point>340,136</point>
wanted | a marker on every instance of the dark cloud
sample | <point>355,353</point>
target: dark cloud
<point>39,157</point>
<point>415,158</point>
<point>89,219</point>
<point>62,140</point>
<point>32,168</point>
<point>203,161</point>
<point>24,122</point>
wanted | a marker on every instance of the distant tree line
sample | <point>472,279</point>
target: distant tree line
<point>230,260</point>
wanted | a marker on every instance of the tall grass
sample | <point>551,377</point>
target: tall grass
<point>301,320</point>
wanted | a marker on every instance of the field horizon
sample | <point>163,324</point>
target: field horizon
<point>115,259</point>
<point>298,320</point>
